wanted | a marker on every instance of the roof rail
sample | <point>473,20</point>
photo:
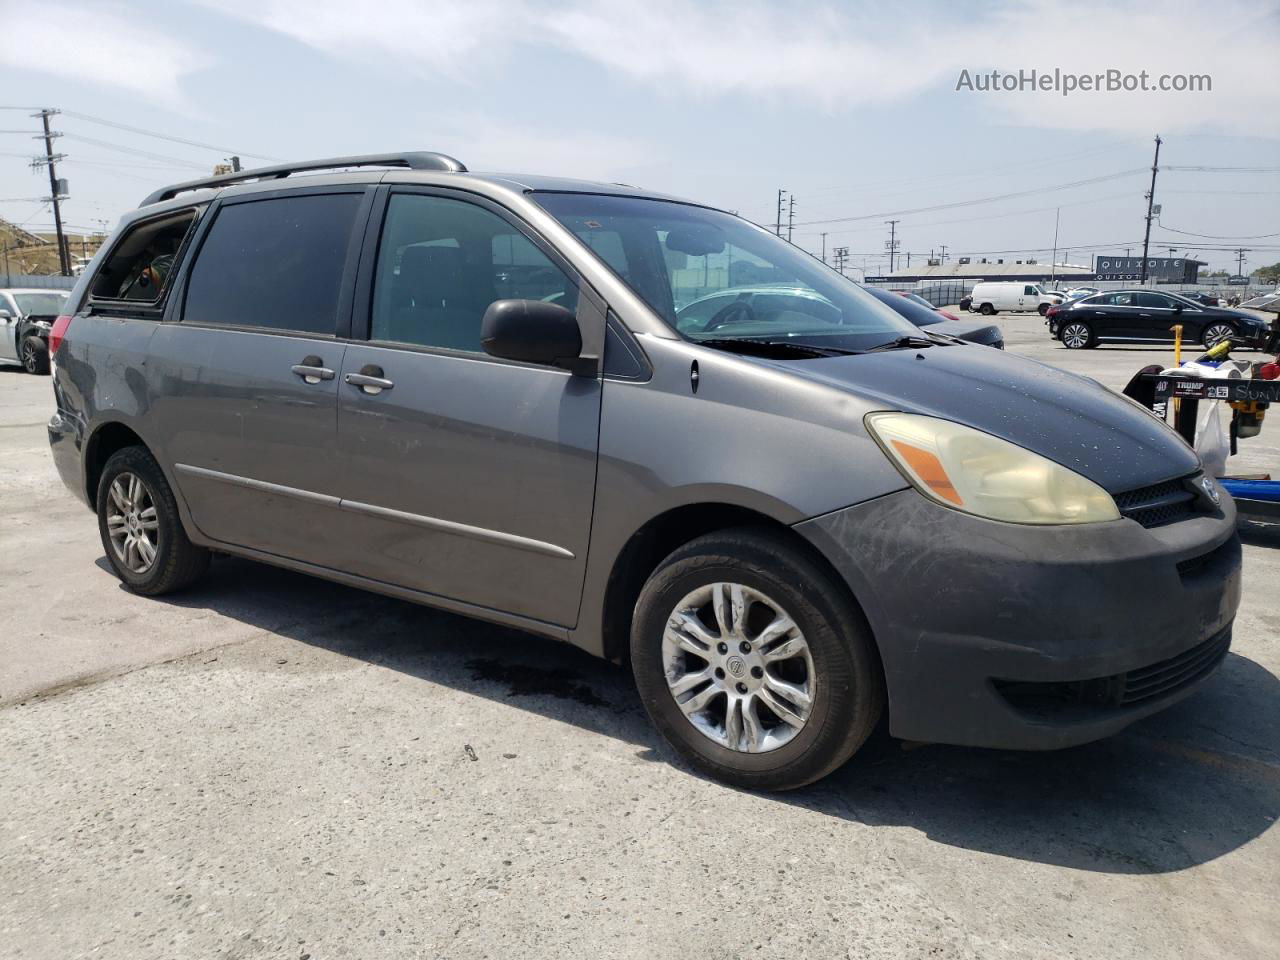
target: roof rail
<point>418,160</point>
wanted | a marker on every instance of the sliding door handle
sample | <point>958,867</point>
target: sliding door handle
<point>312,370</point>
<point>369,379</point>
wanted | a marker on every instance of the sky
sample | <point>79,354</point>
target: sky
<point>851,107</point>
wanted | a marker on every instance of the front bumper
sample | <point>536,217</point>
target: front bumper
<point>1003,635</point>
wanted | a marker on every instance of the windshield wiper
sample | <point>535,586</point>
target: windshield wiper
<point>908,341</point>
<point>771,348</point>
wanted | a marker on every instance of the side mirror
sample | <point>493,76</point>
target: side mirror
<point>532,331</point>
<point>1177,308</point>
<point>5,314</point>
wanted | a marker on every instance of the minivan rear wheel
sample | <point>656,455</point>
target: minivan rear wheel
<point>141,531</point>
<point>753,662</point>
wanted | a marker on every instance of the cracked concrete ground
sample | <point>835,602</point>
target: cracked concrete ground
<point>269,765</point>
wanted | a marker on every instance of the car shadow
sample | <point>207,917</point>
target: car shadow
<point>1180,789</point>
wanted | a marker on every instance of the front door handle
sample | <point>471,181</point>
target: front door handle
<point>312,370</point>
<point>369,379</point>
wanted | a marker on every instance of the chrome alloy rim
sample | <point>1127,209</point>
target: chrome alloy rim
<point>738,667</point>
<point>132,523</point>
<point>29,356</point>
<point>1075,336</point>
<point>1217,333</point>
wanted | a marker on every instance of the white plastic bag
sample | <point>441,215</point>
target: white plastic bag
<point>1211,439</point>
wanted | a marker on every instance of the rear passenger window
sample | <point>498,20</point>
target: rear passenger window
<point>275,264</point>
<point>441,262</point>
<point>140,265</point>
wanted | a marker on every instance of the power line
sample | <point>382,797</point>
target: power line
<point>141,153</point>
<point>162,136</point>
<point>1261,236</point>
<point>979,200</point>
<point>1226,169</point>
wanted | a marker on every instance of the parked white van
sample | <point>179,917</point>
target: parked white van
<point>993,296</point>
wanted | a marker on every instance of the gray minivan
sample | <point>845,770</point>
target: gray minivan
<point>478,392</point>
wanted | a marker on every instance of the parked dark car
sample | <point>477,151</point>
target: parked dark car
<point>1147,316</point>
<point>26,315</point>
<point>1204,299</point>
<point>785,519</point>
<point>928,317</point>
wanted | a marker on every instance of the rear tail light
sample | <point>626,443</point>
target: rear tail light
<point>1053,311</point>
<point>949,316</point>
<point>58,331</point>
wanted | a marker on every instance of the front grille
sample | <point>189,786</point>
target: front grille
<point>1079,699</point>
<point>1159,503</point>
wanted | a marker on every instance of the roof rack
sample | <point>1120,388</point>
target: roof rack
<point>418,160</point>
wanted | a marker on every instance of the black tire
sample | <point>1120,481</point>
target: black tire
<point>1043,308</point>
<point>1210,335</point>
<point>35,356</point>
<point>848,691</point>
<point>987,310</point>
<point>177,562</point>
<point>1072,340</point>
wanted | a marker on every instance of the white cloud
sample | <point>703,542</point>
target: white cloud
<point>101,44</point>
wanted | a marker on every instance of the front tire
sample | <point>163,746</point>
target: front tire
<point>987,310</point>
<point>1043,308</point>
<point>753,662</point>
<point>35,356</point>
<point>140,527</point>
<point>1216,333</point>
<point>1077,335</point>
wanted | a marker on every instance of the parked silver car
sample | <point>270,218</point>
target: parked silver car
<point>476,392</point>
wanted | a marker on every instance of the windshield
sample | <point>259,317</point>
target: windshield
<point>40,304</point>
<point>714,277</point>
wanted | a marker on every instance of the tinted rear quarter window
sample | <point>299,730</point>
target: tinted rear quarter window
<point>141,263</point>
<point>276,264</point>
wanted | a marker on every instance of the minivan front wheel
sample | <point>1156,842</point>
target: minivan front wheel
<point>753,662</point>
<point>140,528</point>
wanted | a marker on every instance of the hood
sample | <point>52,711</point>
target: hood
<point>1071,420</point>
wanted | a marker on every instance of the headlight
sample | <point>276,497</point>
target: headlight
<point>972,471</point>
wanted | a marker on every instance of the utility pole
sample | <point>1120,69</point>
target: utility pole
<point>791,217</point>
<point>1053,261</point>
<point>1240,252</point>
<point>892,244</point>
<point>777,225</point>
<point>824,248</point>
<point>943,247</point>
<point>1151,199</point>
<point>841,254</point>
<point>64,257</point>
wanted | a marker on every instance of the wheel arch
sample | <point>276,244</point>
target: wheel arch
<point>105,440</point>
<point>665,533</point>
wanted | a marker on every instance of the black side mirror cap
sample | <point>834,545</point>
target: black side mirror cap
<point>532,331</point>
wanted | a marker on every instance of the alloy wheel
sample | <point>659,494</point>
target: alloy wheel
<point>29,359</point>
<point>738,667</point>
<point>1075,336</point>
<point>132,522</point>
<point>1217,333</point>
